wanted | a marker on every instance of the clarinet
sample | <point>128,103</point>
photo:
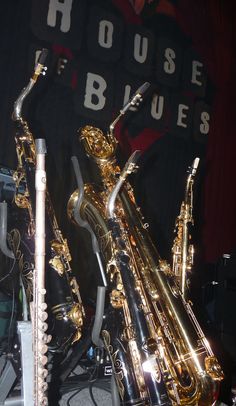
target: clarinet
<point>65,309</point>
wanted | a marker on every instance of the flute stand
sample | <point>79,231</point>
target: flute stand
<point>9,377</point>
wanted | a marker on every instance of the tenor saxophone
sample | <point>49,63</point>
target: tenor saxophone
<point>65,307</point>
<point>157,333</point>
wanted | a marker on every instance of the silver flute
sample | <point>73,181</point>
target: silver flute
<point>40,337</point>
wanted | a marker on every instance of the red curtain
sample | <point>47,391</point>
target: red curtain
<point>211,24</point>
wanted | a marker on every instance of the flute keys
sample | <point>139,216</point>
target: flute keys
<point>43,306</point>
<point>43,348</point>
<point>42,326</point>
<point>43,316</point>
<point>43,373</point>
<point>44,360</point>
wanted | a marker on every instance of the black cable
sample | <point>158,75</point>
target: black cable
<point>102,386</point>
<point>73,395</point>
<point>91,394</point>
<point>9,273</point>
<point>72,384</point>
<point>12,314</point>
<point>92,378</point>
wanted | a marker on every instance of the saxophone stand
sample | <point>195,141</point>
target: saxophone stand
<point>8,377</point>
<point>101,290</point>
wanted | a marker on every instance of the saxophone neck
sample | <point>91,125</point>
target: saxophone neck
<point>17,112</point>
<point>129,168</point>
<point>103,147</point>
<point>188,201</point>
<point>39,69</point>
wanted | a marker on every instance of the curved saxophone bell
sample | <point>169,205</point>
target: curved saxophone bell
<point>158,332</point>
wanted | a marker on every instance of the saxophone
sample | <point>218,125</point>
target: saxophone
<point>66,311</point>
<point>183,250</point>
<point>152,333</point>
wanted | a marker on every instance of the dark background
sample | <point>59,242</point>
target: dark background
<point>159,185</point>
<point>50,113</point>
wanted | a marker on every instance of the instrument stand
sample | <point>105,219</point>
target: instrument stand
<point>8,378</point>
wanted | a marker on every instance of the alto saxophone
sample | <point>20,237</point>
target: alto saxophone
<point>66,311</point>
<point>183,250</point>
<point>152,332</point>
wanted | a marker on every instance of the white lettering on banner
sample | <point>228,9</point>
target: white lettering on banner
<point>64,8</point>
<point>95,87</point>
<point>169,64</point>
<point>204,126</point>
<point>105,35</point>
<point>140,48</point>
<point>196,73</point>
<point>157,107</point>
<point>182,115</point>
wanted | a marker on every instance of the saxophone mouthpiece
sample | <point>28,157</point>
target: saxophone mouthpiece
<point>195,166</point>
<point>142,89</point>
<point>136,98</point>
<point>134,101</point>
<point>196,162</point>
<point>43,55</point>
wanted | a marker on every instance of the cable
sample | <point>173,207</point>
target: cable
<point>73,395</point>
<point>9,273</point>
<point>12,314</point>
<point>73,384</point>
<point>92,378</point>
<point>91,394</point>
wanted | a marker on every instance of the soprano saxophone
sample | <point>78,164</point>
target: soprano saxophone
<point>65,307</point>
<point>149,319</point>
<point>183,250</point>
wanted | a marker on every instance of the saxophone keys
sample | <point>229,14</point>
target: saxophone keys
<point>117,299</point>
<point>213,368</point>
<point>150,346</point>
<point>76,336</point>
<point>57,264</point>
<point>76,315</point>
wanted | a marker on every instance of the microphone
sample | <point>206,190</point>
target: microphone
<point>136,98</point>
